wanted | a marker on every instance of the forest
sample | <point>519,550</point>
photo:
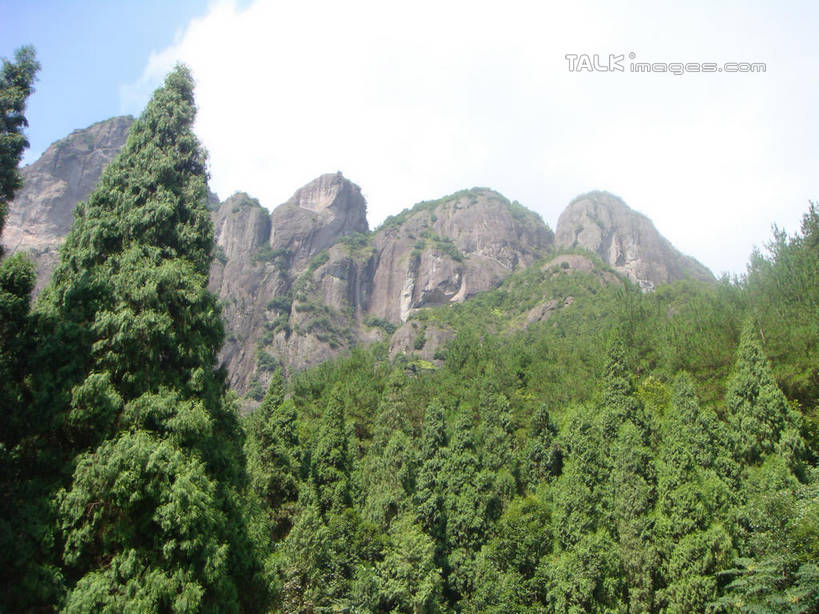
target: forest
<point>634,452</point>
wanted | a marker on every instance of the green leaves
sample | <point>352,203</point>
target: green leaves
<point>16,85</point>
<point>757,410</point>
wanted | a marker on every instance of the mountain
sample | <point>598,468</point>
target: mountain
<point>309,280</point>
<point>626,240</point>
<point>42,212</point>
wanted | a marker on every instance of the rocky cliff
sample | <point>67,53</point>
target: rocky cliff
<point>309,279</point>
<point>625,239</point>
<point>42,212</point>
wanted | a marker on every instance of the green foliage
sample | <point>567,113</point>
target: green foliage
<point>172,558</point>
<point>420,339</point>
<point>584,447</point>
<point>265,361</point>
<point>408,579</point>
<point>273,453</point>
<point>543,458</point>
<point>16,85</point>
<point>331,462</point>
<point>152,517</point>
<point>631,493</point>
<point>387,326</point>
<point>784,289</point>
<point>758,411</point>
<point>266,253</point>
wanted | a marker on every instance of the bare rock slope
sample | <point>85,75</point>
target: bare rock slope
<point>626,240</point>
<point>41,214</point>
<point>310,280</point>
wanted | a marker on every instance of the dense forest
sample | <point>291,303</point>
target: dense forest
<point>633,452</point>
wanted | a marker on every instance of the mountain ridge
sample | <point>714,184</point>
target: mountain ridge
<point>309,279</point>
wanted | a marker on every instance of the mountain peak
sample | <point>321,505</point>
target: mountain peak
<point>625,239</point>
<point>336,194</point>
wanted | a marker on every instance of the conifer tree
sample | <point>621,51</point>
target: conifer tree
<point>28,577</point>
<point>543,457</point>
<point>272,449</point>
<point>757,410</point>
<point>470,504</point>
<point>692,499</point>
<point>389,480</point>
<point>409,580</point>
<point>429,491</point>
<point>331,463</point>
<point>152,519</point>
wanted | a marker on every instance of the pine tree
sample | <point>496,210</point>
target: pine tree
<point>331,462</point>
<point>632,490</point>
<point>28,578</point>
<point>543,457</point>
<point>152,519</point>
<point>692,500</point>
<point>272,448</point>
<point>389,480</point>
<point>757,410</point>
<point>429,491</point>
<point>408,578</point>
<point>470,504</point>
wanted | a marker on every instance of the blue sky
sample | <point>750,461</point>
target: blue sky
<point>416,100</point>
<point>87,49</point>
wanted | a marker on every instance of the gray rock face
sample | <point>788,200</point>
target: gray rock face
<point>315,217</point>
<point>448,250</point>
<point>626,240</point>
<point>261,270</point>
<point>42,212</point>
<point>305,282</point>
<point>317,282</point>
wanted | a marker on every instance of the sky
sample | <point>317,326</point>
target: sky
<point>416,100</point>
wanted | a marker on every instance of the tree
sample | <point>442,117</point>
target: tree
<point>784,287</point>
<point>389,480</point>
<point>430,484</point>
<point>152,519</point>
<point>16,85</point>
<point>29,579</point>
<point>757,410</point>
<point>331,460</point>
<point>272,448</point>
<point>470,504</point>
<point>632,490</point>
<point>543,457</point>
<point>408,578</point>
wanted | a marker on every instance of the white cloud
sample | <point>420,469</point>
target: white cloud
<point>416,100</point>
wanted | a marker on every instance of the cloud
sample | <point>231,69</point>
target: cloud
<point>417,100</point>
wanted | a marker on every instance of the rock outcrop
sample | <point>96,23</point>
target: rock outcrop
<point>261,270</point>
<point>41,213</point>
<point>308,280</point>
<point>626,240</point>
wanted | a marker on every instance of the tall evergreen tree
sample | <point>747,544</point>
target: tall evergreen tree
<point>331,462</point>
<point>152,519</point>
<point>543,458</point>
<point>471,506</point>
<point>757,410</point>
<point>28,578</point>
<point>272,449</point>
<point>429,491</point>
